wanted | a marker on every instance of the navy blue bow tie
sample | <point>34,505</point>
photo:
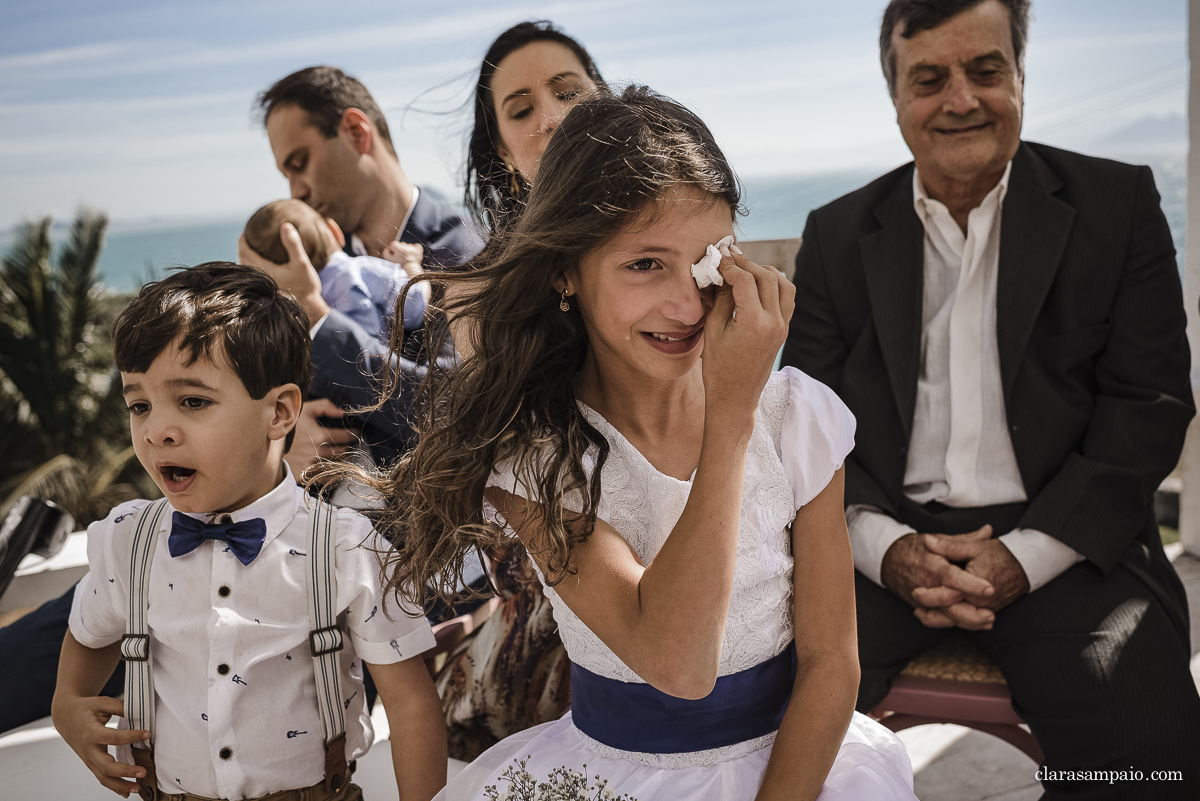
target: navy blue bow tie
<point>245,539</point>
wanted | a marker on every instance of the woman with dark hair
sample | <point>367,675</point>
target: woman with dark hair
<point>530,77</point>
<point>684,517</point>
<point>512,672</point>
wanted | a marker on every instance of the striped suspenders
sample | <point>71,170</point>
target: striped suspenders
<point>135,645</point>
<point>325,639</point>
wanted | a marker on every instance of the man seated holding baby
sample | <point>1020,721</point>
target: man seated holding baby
<point>364,288</point>
<point>332,143</point>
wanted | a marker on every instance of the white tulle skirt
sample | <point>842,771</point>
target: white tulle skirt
<point>871,765</point>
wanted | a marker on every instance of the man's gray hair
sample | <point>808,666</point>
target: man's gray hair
<point>922,15</point>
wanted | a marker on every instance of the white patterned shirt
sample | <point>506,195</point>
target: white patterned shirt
<point>233,672</point>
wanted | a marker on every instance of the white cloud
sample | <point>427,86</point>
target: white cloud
<point>177,52</point>
<point>64,55</point>
<point>157,121</point>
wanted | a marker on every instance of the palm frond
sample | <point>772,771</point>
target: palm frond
<point>59,480</point>
<point>63,426</point>
<point>106,428</point>
<point>109,472</point>
<point>21,440</point>
<point>77,276</point>
<point>47,340</point>
<point>26,272</point>
<point>31,329</point>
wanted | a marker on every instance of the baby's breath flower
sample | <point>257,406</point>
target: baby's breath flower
<point>562,784</point>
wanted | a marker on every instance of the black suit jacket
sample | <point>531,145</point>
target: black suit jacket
<point>1094,358</point>
<point>349,364</point>
<point>448,239</point>
<point>348,368</point>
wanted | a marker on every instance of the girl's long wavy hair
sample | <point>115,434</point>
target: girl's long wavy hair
<point>511,400</point>
<point>493,193</point>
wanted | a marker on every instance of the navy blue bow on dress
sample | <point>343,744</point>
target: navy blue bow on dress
<point>245,539</point>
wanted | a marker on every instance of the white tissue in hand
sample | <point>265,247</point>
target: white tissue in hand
<point>705,271</point>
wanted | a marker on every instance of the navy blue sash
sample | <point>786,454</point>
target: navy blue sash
<point>637,717</point>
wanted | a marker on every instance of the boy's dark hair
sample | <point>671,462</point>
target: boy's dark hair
<point>923,15</point>
<point>263,333</point>
<point>324,93</point>
<point>262,231</point>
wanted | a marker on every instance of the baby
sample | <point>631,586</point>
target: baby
<point>363,288</point>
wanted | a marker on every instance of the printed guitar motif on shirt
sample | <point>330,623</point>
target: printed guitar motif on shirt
<point>262,616</point>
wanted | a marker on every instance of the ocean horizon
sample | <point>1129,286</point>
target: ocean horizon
<point>139,251</point>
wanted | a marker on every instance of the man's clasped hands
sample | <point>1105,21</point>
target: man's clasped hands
<point>954,579</point>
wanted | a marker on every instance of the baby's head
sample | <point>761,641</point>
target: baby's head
<point>321,237</point>
<point>214,361</point>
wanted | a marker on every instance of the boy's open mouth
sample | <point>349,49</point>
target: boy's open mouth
<point>176,477</point>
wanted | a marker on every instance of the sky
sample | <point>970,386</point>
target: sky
<point>143,108</point>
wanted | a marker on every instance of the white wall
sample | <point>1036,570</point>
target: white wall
<point>1189,502</point>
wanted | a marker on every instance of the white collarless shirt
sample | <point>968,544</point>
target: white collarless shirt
<point>229,643</point>
<point>960,453</point>
<point>360,249</point>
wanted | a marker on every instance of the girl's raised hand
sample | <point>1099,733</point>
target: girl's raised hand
<point>745,329</point>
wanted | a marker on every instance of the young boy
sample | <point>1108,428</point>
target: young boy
<point>363,288</point>
<point>214,361</point>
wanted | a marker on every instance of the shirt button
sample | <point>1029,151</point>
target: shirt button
<point>223,592</point>
<point>222,668</point>
<point>225,753</point>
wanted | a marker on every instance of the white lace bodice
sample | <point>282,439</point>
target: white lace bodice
<point>644,505</point>
<point>801,437</point>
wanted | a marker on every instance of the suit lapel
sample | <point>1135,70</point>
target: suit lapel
<point>416,227</point>
<point>1034,230</point>
<point>893,261</point>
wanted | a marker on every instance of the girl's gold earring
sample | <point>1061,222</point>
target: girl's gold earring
<point>562,302</point>
<point>514,183</point>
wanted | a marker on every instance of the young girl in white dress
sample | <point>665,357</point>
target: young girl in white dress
<point>681,503</point>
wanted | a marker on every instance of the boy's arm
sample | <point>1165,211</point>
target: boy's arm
<point>418,728</point>
<point>80,713</point>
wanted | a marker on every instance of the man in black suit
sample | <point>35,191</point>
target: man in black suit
<point>1005,320</point>
<point>332,143</point>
